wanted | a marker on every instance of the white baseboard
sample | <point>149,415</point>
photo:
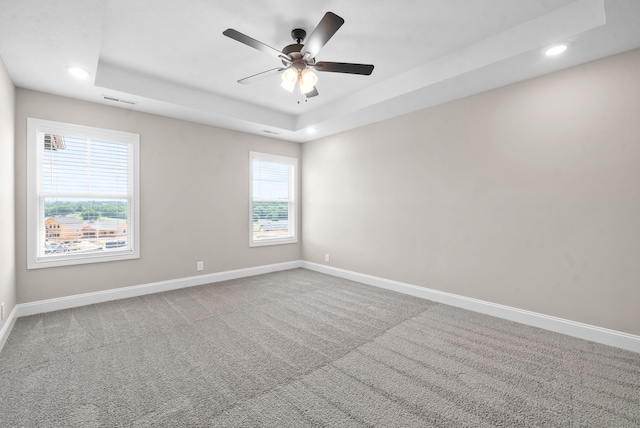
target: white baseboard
<point>558,325</point>
<point>42,306</point>
<point>8,325</point>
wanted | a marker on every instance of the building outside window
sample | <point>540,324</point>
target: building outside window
<point>83,194</point>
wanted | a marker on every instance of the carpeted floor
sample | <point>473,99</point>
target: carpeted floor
<point>298,348</point>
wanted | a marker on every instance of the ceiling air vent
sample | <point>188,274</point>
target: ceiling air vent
<point>118,100</point>
<point>266,131</point>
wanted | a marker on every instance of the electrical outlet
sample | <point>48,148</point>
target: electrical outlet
<point>200,266</point>
<point>326,258</point>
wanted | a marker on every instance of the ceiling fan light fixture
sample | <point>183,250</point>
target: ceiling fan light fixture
<point>307,81</point>
<point>288,85</point>
<point>290,75</point>
<point>308,77</point>
<point>304,89</point>
<point>289,79</point>
<point>297,58</point>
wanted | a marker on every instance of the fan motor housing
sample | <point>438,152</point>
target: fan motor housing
<point>294,53</point>
<point>292,49</point>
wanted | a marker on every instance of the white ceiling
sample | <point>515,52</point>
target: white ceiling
<point>171,58</point>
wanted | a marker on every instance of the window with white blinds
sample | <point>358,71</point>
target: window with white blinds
<point>273,212</point>
<point>83,194</point>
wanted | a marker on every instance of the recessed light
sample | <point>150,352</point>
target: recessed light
<point>77,72</point>
<point>311,130</point>
<point>555,50</point>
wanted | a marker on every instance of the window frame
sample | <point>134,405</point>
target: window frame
<point>35,207</point>
<point>292,200</point>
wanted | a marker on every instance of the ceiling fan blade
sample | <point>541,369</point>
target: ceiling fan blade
<point>313,93</point>
<point>344,67</point>
<point>243,38</point>
<point>329,24</point>
<point>261,75</point>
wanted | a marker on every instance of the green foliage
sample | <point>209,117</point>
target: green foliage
<point>87,210</point>
<point>113,211</point>
<point>270,211</point>
<point>60,210</point>
<point>90,215</point>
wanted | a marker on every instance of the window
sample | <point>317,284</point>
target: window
<point>83,198</point>
<point>273,211</point>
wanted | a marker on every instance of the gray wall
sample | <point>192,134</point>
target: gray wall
<point>194,199</point>
<point>7,197</point>
<point>527,196</point>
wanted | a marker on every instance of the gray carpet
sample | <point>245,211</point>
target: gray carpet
<point>297,349</point>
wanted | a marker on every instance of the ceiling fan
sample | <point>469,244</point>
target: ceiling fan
<point>299,59</point>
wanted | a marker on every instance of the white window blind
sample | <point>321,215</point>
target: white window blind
<point>273,212</point>
<point>83,194</point>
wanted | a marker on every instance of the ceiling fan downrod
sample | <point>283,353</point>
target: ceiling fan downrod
<point>298,35</point>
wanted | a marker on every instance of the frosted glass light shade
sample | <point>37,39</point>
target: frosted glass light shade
<point>289,78</point>
<point>307,81</point>
<point>289,85</point>
<point>308,77</point>
<point>304,88</point>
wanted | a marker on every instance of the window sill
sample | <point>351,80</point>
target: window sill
<point>269,242</point>
<point>49,262</point>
